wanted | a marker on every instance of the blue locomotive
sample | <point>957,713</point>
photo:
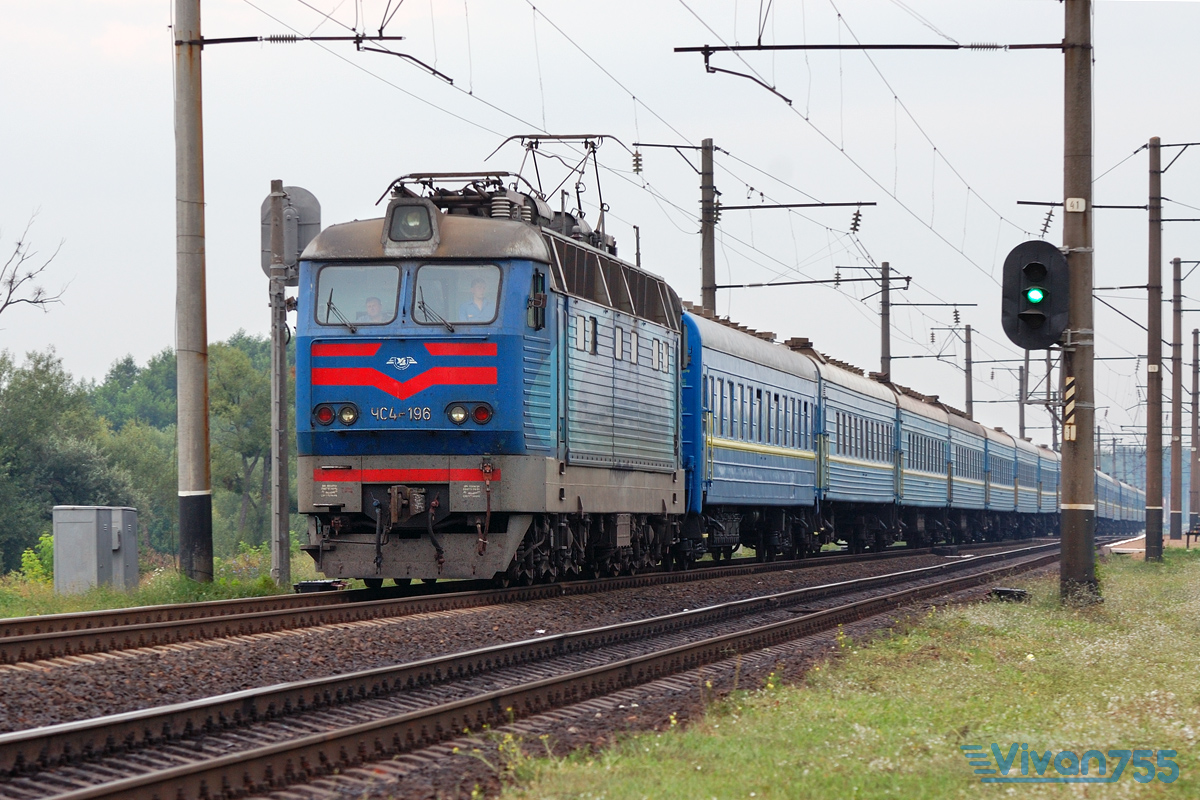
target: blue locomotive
<point>484,390</point>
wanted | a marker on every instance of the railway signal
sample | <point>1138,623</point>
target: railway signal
<point>1036,295</point>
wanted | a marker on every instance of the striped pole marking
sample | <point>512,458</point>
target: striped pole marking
<point>1069,409</point>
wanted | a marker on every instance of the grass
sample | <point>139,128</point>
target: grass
<point>886,719</point>
<point>245,575</point>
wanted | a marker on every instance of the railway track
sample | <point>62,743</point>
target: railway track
<point>27,639</point>
<point>260,739</point>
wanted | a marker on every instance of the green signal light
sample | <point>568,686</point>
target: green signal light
<point>1035,294</point>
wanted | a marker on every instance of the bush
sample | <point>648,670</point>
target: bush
<point>37,562</point>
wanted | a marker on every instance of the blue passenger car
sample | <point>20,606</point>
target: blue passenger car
<point>750,447</point>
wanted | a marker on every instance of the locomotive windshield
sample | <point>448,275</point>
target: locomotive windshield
<point>456,294</point>
<point>358,295</point>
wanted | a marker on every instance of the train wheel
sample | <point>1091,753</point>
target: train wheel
<point>373,583</point>
<point>429,580</point>
<point>402,581</point>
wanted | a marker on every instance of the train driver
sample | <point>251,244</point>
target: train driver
<point>375,310</point>
<point>477,309</point>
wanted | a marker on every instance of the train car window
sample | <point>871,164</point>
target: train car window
<point>769,428</point>
<point>357,295</point>
<point>721,406</point>
<point>458,294</point>
<point>633,347</point>
<point>752,432</point>
<point>535,314</point>
<point>804,430</point>
<point>787,422</point>
<point>734,417</point>
<point>739,413</point>
<point>591,335</point>
<point>580,332</point>
<point>779,419</point>
<point>619,345</point>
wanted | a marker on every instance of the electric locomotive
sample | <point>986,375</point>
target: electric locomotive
<point>484,390</point>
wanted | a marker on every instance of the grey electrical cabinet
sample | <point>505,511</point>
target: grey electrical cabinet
<point>95,546</point>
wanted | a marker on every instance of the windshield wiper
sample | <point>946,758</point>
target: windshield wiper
<point>329,306</point>
<point>429,312</point>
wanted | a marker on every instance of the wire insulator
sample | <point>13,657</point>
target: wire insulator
<point>283,38</point>
<point>855,220</point>
<point>985,46</point>
<point>957,316</point>
<point>637,162</point>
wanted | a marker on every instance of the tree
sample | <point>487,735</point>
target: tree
<point>148,455</point>
<point>48,452</point>
<point>240,414</point>
<point>143,394</point>
<point>20,274</point>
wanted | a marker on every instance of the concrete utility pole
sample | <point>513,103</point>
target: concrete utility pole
<point>1023,390</point>
<point>1049,400</point>
<point>281,548</point>
<point>1193,459</point>
<point>1154,392</point>
<point>708,229</point>
<point>885,321</point>
<point>970,379</point>
<point>191,325</point>
<point>1177,404</point>
<point>1077,570</point>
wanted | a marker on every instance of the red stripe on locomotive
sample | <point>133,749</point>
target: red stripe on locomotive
<point>402,390</point>
<point>346,349</point>
<point>400,475</point>
<point>461,348</point>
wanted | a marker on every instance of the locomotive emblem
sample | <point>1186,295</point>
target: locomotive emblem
<point>402,362</point>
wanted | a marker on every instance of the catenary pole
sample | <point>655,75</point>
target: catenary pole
<point>1023,390</point>
<point>1049,400</point>
<point>191,326</point>
<point>708,226</point>
<point>969,367</point>
<point>1154,392</point>
<point>1077,568</point>
<point>885,321</point>
<point>1177,403</point>
<point>281,551</point>
<point>1193,460</point>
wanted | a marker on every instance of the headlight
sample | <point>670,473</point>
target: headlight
<point>457,414</point>
<point>324,414</point>
<point>410,224</point>
<point>347,415</point>
<point>482,413</point>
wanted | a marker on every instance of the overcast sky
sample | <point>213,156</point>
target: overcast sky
<point>945,142</point>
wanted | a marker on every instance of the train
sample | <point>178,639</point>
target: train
<point>485,390</point>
